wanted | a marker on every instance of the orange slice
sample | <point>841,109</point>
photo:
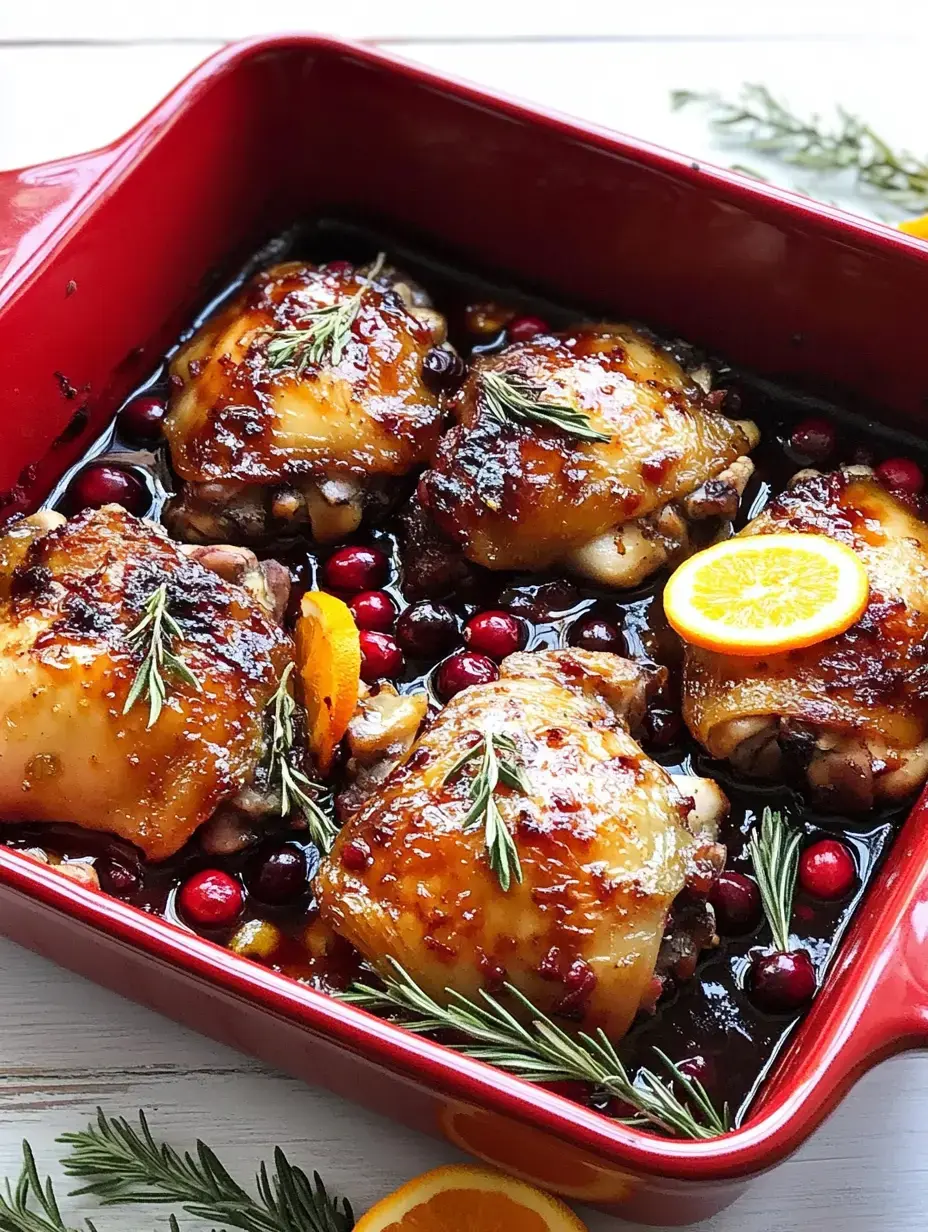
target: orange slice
<point>329,655</point>
<point>764,594</point>
<point>915,226</point>
<point>460,1196</point>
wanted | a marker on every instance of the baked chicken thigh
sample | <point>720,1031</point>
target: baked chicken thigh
<point>606,840</point>
<point>591,449</point>
<point>74,746</point>
<point>849,714</point>
<point>296,406</point>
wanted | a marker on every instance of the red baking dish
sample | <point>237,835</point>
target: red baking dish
<point>103,258</point>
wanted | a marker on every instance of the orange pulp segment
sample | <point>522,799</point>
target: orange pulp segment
<point>915,226</point>
<point>329,658</point>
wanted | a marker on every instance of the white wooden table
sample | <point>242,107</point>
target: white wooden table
<point>73,76</point>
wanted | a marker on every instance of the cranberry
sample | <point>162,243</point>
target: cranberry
<point>427,630</point>
<point>141,419</point>
<point>520,329</point>
<point>544,602</point>
<point>783,982</point>
<point>116,878</point>
<point>373,609</point>
<point>442,370</point>
<point>664,728</point>
<point>901,475</point>
<point>102,484</point>
<point>278,876</point>
<point>826,869</point>
<point>813,440</point>
<point>356,569</point>
<point>594,633</point>
<point>496,634</point>
<point>356,855</point>
<point>380,655</point>
<point>735,899</point>
<point>462,670</point>
<point>211,899</point>
<point>339,267</point>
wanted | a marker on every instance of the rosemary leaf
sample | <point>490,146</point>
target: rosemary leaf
<point>297,791</point>
<point>154,634</point>
<point>509,397</point>
<point>495,751</point>
<point>30,1206</point>
<point>775,855</point>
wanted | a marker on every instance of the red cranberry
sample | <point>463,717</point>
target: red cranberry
<point>339,267</point>
<point>783,982</point>
<point>356,569</point>
<point>442,370</point>
<point>279,875</point>
<point>102,484</point>
<point>520,329</point>
<point>901,475</point>
<point>594,633</point>
<point>380,655</point>
<point>373,609</point>
<point>356,855</point>
<point>826,869</point>
<point>462,670</point>
<point>116,878</point>
<point>813,440</point>
<point>735,899</point>
<point>427,630</point>
<point>211,899</point>
<point>141,419</point>
<point>496,634</point>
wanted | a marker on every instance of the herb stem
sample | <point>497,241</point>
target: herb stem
<point>775,855</point>
<point>509,398</point>
<point>156,632</point>
<point>296,789</point>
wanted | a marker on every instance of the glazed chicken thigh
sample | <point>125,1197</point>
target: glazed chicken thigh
<point>70,749</point>
<point>606,840</point>
<point>850,714</point>
<point>523,489</point>
<point>297,405</point>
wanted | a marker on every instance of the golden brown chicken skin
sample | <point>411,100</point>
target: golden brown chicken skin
<point>269,437</point>
<point>70,593</point>
<point>606,841</point>
<point>525,495</point>
<point>851,713</point>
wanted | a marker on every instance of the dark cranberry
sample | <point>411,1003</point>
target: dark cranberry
<point>901,475</point>
<point>664,727</point>
<point>735,899</point>
<point>356,855</point>
<point>356,569</point>
<point>594,633</point>
<point>544,602</point>
<point>278,876</point>
<point>826,869</point>
<point>102,484</point>
<point>339,267</point>
<point>141,419</point>
<point>462,670</point>
<point>496,634</point>
<point>373,609</point>
<point>783,982</point>
<point>442,370</point>
<point>520,329</point>
<point>117,878</point>
<point>813,440</point>
<point>380,655</point>
<point>427,630</point>
<point>211,899</point>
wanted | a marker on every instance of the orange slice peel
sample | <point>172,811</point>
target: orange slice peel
<point>767,594</point>
<point>329,658</point>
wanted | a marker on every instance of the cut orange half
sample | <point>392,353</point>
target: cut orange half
<point>765,594</point>
<point>460,1196</point>
<point>329,657</point>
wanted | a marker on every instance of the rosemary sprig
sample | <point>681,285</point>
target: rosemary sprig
<point>296,789</point>
<point>507,396</point>
<point>495,751</point>
<point>326,334</point>
<point>775,855</point>
<point>30,1206</point>
<point>122,1164</point>
<point>760,122</point>
<point>154,633</point>
<point>542,1052</point>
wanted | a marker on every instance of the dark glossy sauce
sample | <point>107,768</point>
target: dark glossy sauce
<point>710,1020</point>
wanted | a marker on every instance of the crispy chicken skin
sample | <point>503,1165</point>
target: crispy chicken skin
<point>524,496</point>
<point>262,449</point>
<point>69,595</point>
<point>850,713</point>
<point>605,838</point>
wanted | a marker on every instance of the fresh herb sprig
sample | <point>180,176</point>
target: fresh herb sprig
<point>508,396</point>
<point>495,750</point>
<point>30,1205</point>
<point>542,1052</point>
<point>327,333</point>
<point>774,853</point>
<point>154,634</point>
<point>296,789</point>
<point>760,122</point>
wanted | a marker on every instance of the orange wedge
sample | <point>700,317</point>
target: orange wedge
<point>765,594</point>
<point>459,1197</point>
<point>329,656</point>
<point>915,226</point>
